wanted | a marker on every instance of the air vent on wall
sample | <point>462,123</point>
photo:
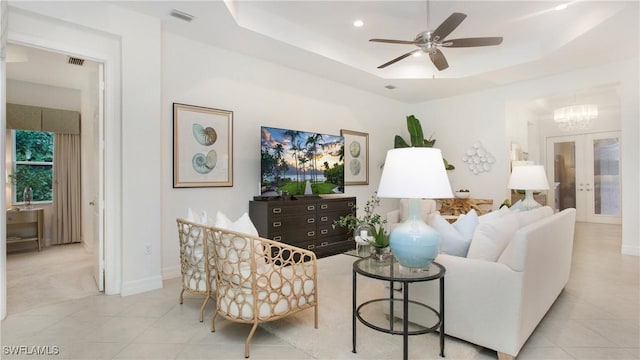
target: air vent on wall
<point>76,61</point>
<point>181,15</point>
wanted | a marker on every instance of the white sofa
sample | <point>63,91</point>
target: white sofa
<point>498,304</point>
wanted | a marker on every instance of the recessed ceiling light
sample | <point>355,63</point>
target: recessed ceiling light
<point>417,54</point>
<point>358,23</point>
<point>561,6</point>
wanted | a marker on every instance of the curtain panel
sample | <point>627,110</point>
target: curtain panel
<point>66,189</point>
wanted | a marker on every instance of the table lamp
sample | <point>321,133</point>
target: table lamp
<point>528,178</point>
<point>414,174</point>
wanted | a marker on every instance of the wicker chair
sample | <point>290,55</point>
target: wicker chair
<point>196,263</point>
<point>261,280</point>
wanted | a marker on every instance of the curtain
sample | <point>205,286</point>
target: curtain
<point>66,189</point>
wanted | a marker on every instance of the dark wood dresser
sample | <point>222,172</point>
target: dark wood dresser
<point>305,222</point>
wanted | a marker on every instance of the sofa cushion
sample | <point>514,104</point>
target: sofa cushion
<point>492,236</point>
<point>454,238</point>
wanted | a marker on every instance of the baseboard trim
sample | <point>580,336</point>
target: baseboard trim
<point>631,250</point>
<point>171,272</point>
<point>140,286</point>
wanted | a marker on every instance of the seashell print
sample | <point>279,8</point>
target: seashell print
<point>204,164</point>
<point>354,167</point>
<point>204,136</point>
<point>354,149</point>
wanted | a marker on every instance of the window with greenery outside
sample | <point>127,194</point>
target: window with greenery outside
<point>33,159</point>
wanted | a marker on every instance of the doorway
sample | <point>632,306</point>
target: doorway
<point>585,170</point>
<point>41,71</point>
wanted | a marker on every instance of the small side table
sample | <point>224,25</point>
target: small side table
<point>392,272</point>
<point>25,225</point>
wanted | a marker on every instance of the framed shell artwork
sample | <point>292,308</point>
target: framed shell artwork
<point>356,157</point>
<point>202,146</point>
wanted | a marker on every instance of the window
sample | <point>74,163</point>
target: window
<point>33,164</point>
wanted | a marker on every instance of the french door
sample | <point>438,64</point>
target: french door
<point>585,172</point>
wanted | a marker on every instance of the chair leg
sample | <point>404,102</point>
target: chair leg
<point>246,344</point>
<point>181,292</point>
<point>213,321</point>
<point>204,305</point>
<point>315,314</point>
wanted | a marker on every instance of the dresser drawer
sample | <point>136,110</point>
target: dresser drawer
<point>293,209</point>
<point>336,205</point>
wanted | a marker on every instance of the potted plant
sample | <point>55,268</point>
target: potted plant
<point>369,229</point>
<point>417,139</point>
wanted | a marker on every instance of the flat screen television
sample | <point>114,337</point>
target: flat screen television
<point>299,162</point>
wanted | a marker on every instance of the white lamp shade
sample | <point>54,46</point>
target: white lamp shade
<point>528,177</point>
<point>414,173</point>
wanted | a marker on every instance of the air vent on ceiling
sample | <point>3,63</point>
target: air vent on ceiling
<point>76,61</point>
<point>181,15</point>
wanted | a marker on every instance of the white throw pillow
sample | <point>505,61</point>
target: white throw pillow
<point>242,225</point>
<point>529,217</point>
<point>466,224</point>
<point>492,236</point>
<point>492,215</point>
<point>518,205</point>
<point>454,238</point>
<point>192,217</point>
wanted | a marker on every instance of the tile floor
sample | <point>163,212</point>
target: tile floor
<point>596,317</point>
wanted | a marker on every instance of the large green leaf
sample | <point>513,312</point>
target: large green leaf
<point>415,131</point>
<point>399,142</point>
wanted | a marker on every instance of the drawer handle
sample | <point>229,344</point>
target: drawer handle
<point>277,210</point>
<point>311,220</point>
<point>324,218</point>
<point>277,238</point>
<point>311,233</point>
<point>350,205</point>
<point>311,247</point>
<point>324,243</point>
<point>324,206</point>
<point>324,231</point>
<point>311,207</point>
<point>277,224</point>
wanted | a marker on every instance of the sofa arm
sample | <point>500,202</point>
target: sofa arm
<point>482,302</point>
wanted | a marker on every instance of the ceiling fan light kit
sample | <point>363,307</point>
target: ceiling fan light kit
<point>430,42</point>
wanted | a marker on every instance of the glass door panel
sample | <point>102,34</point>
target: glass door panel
<point>606,175</point>
<point>586,175</point>
<point>564,174</point>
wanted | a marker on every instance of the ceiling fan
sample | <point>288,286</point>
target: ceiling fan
<point>430,42</point>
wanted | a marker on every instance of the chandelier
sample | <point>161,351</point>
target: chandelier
<point>575,117</point>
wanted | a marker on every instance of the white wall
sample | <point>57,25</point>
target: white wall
<point>258,93</point>
<point>483,116</point>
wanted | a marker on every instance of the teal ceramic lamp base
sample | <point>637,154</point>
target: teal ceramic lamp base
<point>413,243</point>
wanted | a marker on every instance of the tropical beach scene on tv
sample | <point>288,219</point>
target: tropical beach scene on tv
<point>301,163</point>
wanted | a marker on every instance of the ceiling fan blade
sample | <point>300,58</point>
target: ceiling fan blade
<point>448,26</point>
<point>397,59</point>
<point>408,42</point>
<point>438,59</point>
<point>472,42</point>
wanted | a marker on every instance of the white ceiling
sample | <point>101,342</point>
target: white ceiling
<point>318,37</point>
